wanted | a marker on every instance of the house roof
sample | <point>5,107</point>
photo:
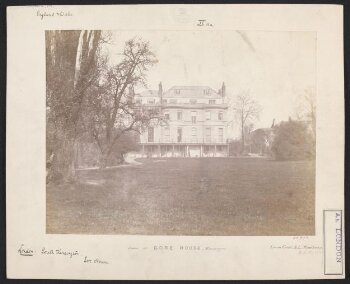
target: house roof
<point>184,92</point>
<point>191,91</point>
<point>266,130</point>
<point>148,93</point>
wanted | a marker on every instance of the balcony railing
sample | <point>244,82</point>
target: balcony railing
<point>186,141</point>
<point>183,105</point>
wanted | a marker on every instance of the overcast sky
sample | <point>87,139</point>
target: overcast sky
<point>274,67</point>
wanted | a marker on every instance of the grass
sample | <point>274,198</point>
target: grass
<point>179,196</point>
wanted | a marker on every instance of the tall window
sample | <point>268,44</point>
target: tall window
<point>167,116</point>
<point>212,102</point>
<point>194,134</point>
<point>167,134</point>
<point>207,115</point>
<point>221,115</point>
<point>150,134</point>
<point>207,134</point>
<point>179,134</point>
<point>177,91</point>
<point>179,115</point>
<point>221,135</point>
<point>193,116</point>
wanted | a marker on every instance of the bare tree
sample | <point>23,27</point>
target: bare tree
<point>246,111</point>
<point>113,110</point>
<point>306,108</point>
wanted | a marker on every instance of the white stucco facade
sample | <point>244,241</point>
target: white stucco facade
<point>195,122</point>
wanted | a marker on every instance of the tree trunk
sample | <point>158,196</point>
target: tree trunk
<point>243,142</point>
<point>104,159</point>
<point>71,172</point>
<point>73,53</point>
<point>122,159</point>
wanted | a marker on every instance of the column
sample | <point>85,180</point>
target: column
<point>215,150</point>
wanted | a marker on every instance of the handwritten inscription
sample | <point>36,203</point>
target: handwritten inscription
<point>51,14</point>
<point>68,253</point>
<point>25,251</point>
<point>95,260</point>
<point>204,23</point>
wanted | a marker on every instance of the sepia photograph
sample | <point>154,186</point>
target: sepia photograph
<point>185,140</point>
<point>165,132</point>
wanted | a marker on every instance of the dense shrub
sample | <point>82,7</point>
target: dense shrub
<point>260,141</point>
<point>125,144</point>
<point>293,141</point>
<point>235,147</point>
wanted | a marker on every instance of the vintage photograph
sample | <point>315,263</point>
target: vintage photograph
<point>198,133</point>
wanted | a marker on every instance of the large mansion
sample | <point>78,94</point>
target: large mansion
<point>194,125</point>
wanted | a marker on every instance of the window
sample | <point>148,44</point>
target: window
<point>167,116</point>
<point>212,102</point>
<point>151,101</point>
<point>150,134</point>
<point>165,101</point>
<point>221,135</point>
<point>172,101</point>
<point>194,134</point>
<point>179,115</point>
<point>207,134</point>
<point>207,115</point>
<point>193,102</point>
<point>177,91</point>
<point>167,134</point>
<point>138,101</point>
<point>167,130</point>
<point>220,115</point>
<point>206,91</point>
<point>193,116</point>
<point>179,134</point>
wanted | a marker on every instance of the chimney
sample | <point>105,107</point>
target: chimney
<point>160,92</point>
<point>223,90</point>
<point>160,89</point>
<point>273,123</point>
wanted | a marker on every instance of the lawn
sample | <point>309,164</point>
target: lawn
<point>182,196</point>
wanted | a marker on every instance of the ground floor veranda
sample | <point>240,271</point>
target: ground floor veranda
<point>183,150</point>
